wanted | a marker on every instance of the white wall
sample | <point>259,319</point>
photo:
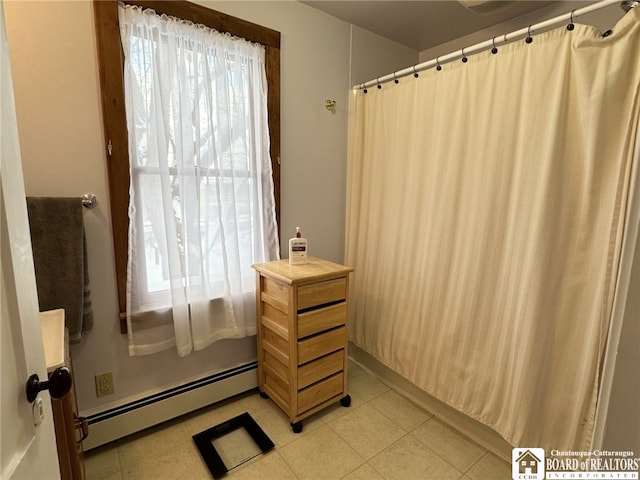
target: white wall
<point>389,56</point>
<point>53,55</point>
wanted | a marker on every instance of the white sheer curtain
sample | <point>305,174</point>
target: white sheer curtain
<point>485,211</point>
<point>202,206</point>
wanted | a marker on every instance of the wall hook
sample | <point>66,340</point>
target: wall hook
<point>330,105</point>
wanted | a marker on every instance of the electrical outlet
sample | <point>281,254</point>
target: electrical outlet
<point>104,384</point>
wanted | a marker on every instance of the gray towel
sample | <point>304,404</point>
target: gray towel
<point>60,260</point>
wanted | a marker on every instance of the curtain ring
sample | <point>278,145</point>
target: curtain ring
<point>395,80</point>
<point>364,88</point>
<point>415,74</point>
<point>571,26</point>
<point>464,58</point>
<point>378,82</point>
<point>528,39</point>
<point>438,66</point>
<point>494,50</point>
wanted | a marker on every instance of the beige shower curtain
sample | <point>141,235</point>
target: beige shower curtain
<point>484,222</point>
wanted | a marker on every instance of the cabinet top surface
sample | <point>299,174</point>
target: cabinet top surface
<point>315,269</point>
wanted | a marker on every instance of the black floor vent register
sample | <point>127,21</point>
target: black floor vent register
<point>231,444</point>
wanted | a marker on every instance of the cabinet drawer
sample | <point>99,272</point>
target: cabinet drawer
<point>322,292</point>
<point>322,319</point>
<point>319,345</point>
<point>321,368</point>
<point>320,392</point>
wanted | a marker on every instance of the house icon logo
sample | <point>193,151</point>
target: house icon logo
<point>527,463</point>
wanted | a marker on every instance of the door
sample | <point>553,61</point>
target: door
<point>27,451</point>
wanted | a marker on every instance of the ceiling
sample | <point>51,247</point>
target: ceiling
<point>423,24</point>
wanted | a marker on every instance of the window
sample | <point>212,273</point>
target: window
<point>113,99</point>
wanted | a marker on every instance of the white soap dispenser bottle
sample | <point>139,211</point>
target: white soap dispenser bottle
<point>297,249</point>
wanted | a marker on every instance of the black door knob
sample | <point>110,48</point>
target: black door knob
<point>59,384</point>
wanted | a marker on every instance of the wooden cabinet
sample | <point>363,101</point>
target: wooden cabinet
<point>302,335</point>
<point>70,430</point>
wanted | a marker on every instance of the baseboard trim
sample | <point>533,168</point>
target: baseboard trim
<point>118,422</point>
<point>476,431</point>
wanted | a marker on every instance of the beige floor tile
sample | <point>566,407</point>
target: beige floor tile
<point>366,430</point>
<point>253,402</point>
<point>410,459</point>
<point>362,386</point>
<point>277,425</point>
<point>400,410</point>
<point>182,463</point>
<point>455,448</point>
<point>333,444</point>
<point>490,467</point>
<point>355,368</point>
<point>114,476</point>
<point>102,462</point>
<point>213,415</point>
<point>336,410</point>
<point>269,467</point>
<point>365,472</point>
<point>320,455</point>
<point>152,442</point>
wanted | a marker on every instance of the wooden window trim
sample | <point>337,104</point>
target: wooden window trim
<point>111,67</point>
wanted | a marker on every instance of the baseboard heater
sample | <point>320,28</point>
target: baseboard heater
<point>118,422</point>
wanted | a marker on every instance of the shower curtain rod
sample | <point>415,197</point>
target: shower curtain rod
<point>494,42</point>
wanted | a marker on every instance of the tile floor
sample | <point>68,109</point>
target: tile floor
<point>380,436</point>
